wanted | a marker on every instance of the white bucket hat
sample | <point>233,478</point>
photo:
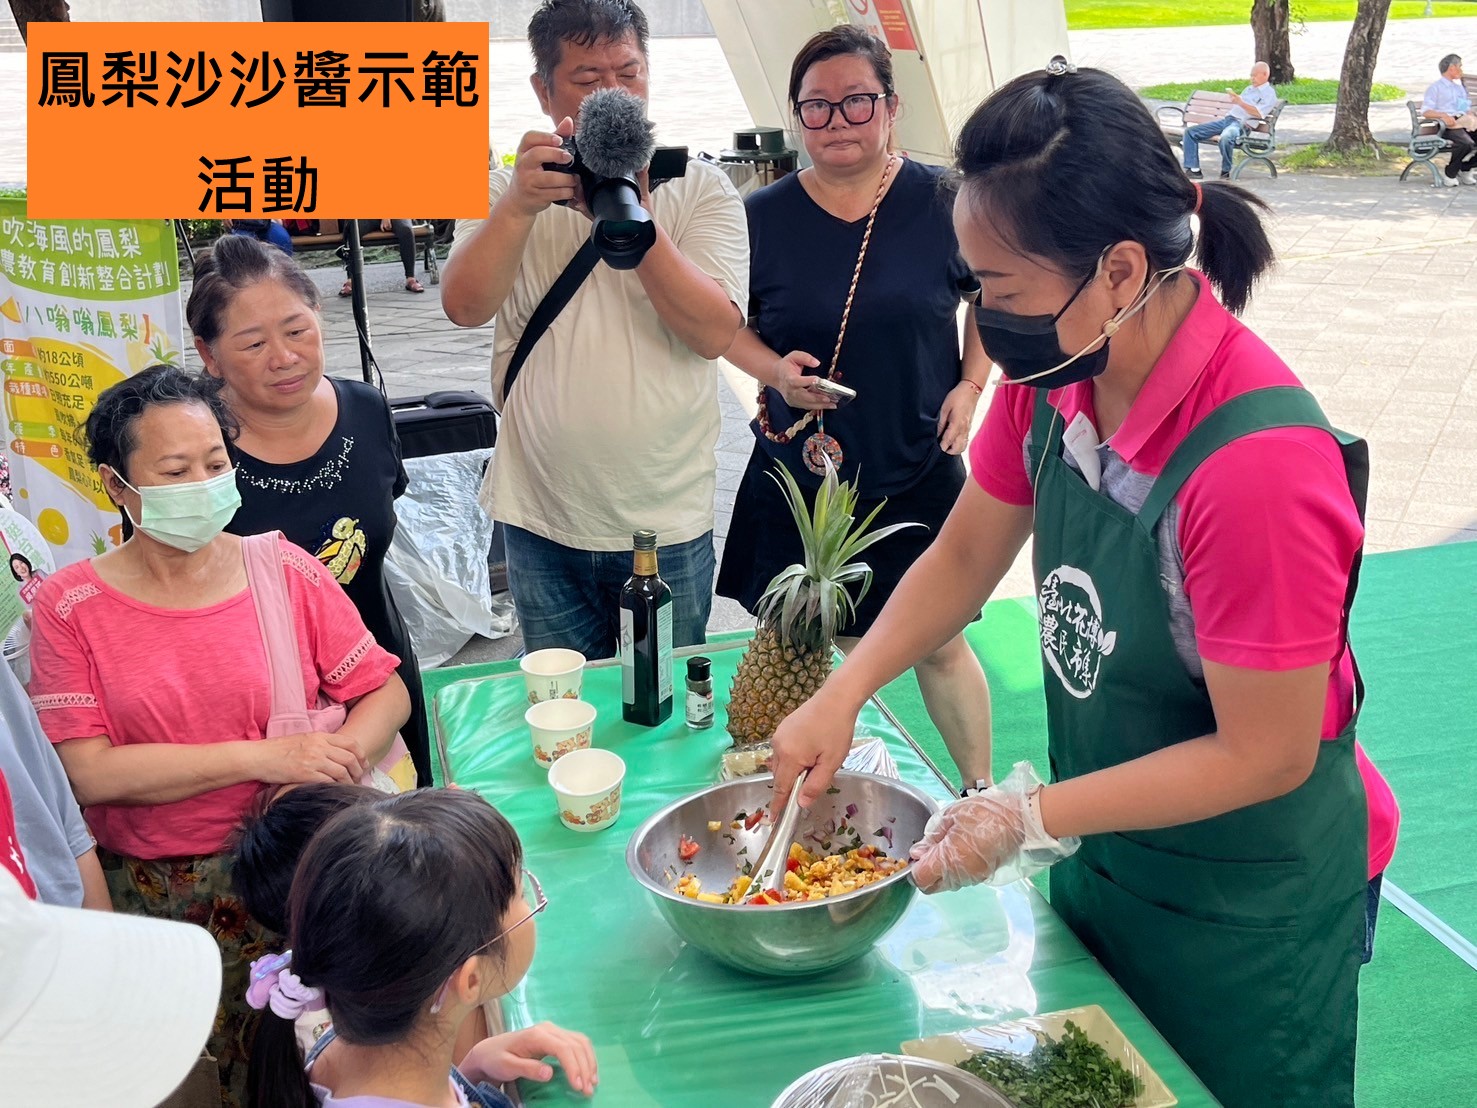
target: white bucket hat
<point>99,1001</point>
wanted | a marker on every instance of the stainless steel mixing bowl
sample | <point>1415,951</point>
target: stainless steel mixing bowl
<point>783,940</point>
<point>880,1078</point>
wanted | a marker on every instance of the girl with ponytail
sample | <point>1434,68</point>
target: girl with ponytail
<point>406,915</point>
<point>1215,835</point>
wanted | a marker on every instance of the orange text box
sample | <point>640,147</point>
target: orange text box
<point>323,120</point>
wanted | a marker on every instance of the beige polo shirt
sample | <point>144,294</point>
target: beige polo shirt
<point>613,421</point>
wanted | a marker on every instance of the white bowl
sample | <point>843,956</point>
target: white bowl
<point>554,674</point>
<point>587,784</point>
<point>559,727</point>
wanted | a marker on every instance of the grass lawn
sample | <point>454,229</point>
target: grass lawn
<point>1092,15</point>
<point>1366,163</point>
<point>1305,90</point>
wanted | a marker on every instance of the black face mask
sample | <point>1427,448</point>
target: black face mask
<point>1029,352</point>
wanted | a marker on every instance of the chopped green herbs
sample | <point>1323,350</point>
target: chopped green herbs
<point>1073,1072</point>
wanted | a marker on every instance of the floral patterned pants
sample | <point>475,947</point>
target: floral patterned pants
<point>198,890</point>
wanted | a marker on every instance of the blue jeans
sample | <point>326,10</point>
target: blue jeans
<point>571,598</point>
<point>275,235</point>
<point>1228,130</point>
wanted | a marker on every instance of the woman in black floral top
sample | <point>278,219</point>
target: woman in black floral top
<point>317,457</point>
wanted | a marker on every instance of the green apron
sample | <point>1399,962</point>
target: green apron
<point>1239,937</point>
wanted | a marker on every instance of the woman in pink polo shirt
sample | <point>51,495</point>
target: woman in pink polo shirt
<point>1216,835</point>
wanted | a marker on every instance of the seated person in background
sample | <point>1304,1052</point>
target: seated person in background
<point>61,856</point>
<point>1255,101</point>
<point>404,238</point>
<point>410,914</point>
<point>265,230</point>
<point>151,676</point>
<point>1447,101</point>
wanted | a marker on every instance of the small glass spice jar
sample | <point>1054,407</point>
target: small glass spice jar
<point>699,693</point>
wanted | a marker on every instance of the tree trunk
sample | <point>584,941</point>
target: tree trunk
<point>1271,24</point>
<point>39,11</point>
<point>1351,115</point>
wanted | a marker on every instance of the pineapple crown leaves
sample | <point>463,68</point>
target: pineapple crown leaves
<point>808,604</point>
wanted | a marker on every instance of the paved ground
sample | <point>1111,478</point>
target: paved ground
<point>1350,307</point>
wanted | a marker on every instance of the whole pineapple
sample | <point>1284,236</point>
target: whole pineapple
<point>803,608</point>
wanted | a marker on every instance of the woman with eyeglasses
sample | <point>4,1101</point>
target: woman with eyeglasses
<point>407,916</point>
<point>856,281</point>
<point>1215,834</point>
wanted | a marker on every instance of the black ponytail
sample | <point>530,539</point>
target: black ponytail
<point>1233,249</point>
<point>1066,163</point>
<point>275,1077</point>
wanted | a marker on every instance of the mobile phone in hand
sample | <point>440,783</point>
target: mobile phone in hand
<point>842,395</point>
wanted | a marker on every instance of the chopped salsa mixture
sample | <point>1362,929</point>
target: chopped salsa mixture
<point>809,877</point>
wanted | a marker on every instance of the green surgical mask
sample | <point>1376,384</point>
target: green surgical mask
<point>188,515</point>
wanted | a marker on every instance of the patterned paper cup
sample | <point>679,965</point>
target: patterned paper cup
<point>559,727</point>
<point>587,785</point>
<point>552,674</point>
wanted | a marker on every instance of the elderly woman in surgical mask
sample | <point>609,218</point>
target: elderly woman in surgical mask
<point>152,680</point>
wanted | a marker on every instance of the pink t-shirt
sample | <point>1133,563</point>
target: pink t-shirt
<point>106,664</point>
<point>1267,526</point>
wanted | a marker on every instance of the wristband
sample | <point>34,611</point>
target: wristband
<point>978,389</point>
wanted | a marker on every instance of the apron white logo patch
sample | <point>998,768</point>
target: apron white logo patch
<point>1072,634</point>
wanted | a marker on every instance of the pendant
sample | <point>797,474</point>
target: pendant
<point>817,449</point>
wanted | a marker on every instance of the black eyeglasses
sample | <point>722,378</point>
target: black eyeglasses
<point>856,109</point>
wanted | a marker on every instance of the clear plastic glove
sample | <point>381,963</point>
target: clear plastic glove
<point>995,836</point>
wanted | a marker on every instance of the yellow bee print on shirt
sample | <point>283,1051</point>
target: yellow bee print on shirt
<point>342,550</point>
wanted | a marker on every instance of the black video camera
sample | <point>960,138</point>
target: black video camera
<point>623,230</point>
<point>613,143</point>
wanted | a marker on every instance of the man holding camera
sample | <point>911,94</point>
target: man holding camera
<point>611,423</point>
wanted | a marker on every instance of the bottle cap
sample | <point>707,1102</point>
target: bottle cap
<point>644,540</point>
<point>699,669</point>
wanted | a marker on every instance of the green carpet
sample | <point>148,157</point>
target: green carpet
<point>1415,630</point>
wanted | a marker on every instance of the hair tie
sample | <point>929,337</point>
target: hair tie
<point>274,985</point>
<point>1199,196</point>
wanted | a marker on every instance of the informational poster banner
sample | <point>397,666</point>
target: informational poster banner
<point>83,304</point>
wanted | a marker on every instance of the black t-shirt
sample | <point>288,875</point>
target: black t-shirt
<point>901,353</point>
<point>338,505</point>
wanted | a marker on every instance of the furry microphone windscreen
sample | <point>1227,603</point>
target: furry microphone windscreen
<point>614,137</point>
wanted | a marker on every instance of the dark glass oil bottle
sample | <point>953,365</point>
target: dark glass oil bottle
<point>646,639</point>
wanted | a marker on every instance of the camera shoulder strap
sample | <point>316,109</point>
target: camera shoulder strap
<point>559,295</point>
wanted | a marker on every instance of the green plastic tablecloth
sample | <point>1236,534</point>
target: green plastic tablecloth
<point>671,1027</point>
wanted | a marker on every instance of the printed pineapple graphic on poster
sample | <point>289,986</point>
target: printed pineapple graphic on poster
<point>83,304</point>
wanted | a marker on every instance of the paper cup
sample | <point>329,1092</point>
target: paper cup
<point>552,674</point>
<point>559,727</point>
<point>587,784</point>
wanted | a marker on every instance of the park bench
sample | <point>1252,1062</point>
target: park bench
<point>1258,136</point>
<point>1427,139</point>
<point>329,237</point>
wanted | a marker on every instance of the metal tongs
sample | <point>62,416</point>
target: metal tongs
<point>768,873</point>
